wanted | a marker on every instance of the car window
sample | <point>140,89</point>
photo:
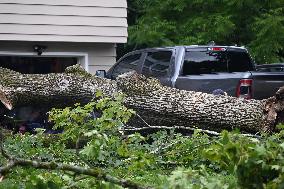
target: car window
<point>157,63</point>
<point>210,61</point>
<point>128,63</point>
<point>239,61</point>
<point>204,62</point>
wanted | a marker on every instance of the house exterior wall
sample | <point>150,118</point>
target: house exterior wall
<point>64,20</point>
<point>99,55</point>
<point>89,27</point>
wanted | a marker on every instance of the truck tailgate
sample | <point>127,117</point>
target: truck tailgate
<point>265,84</point>
<point>207,83</point>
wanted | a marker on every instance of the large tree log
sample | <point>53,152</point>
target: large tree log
<point>157,104</point>
<point>161,105</point>
<point>75,85</point>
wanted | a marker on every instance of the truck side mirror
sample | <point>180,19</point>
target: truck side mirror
<point>101,73</point>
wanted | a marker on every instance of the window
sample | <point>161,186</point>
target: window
<point>129,63</point>
<point>239,61</point>
<point>207,62</point>
<point>204,62</point>
<point>157,63</point>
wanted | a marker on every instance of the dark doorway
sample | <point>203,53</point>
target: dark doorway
<point>37,65</point>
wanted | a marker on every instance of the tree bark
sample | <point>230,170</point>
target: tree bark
<point>161,105</point>
<point>75,85</point>
<point>156,104</point>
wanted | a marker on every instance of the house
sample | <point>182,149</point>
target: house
<point>40,36</point>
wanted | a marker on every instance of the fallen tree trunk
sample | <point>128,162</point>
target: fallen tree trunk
<point>156,104</point>
<point>75,85</point>
<point>166,106</point>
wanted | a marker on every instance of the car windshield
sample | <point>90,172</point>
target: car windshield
<point>207,62</point>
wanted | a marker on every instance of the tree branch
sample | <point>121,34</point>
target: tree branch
<point>185,128</point>
<point>7,168</point>
<point>3,152</point>
<point>97,173</point>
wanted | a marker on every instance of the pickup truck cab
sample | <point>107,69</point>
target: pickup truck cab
<point>202,68</point>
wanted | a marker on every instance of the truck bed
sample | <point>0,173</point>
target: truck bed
<point>209,82</point>
<point>265,84</point>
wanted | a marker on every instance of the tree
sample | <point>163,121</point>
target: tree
<point>156,104</point>
<point>103,157</point>
<point>255,24</point>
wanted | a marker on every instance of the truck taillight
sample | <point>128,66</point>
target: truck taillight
<point>244,89</point>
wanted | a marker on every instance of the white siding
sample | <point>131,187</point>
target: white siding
<point>59,30</point>
<point>90,3</point>
<point>55,38</point>
<point>62,10</point>
<point>64,20</point>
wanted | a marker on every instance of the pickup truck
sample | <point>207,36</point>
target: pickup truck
<point>202,68</point>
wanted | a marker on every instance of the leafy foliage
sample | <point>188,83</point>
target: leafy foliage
<point>258,25</point>
<point>161,160</point>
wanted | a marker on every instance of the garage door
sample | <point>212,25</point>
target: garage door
<point>37,65</point>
